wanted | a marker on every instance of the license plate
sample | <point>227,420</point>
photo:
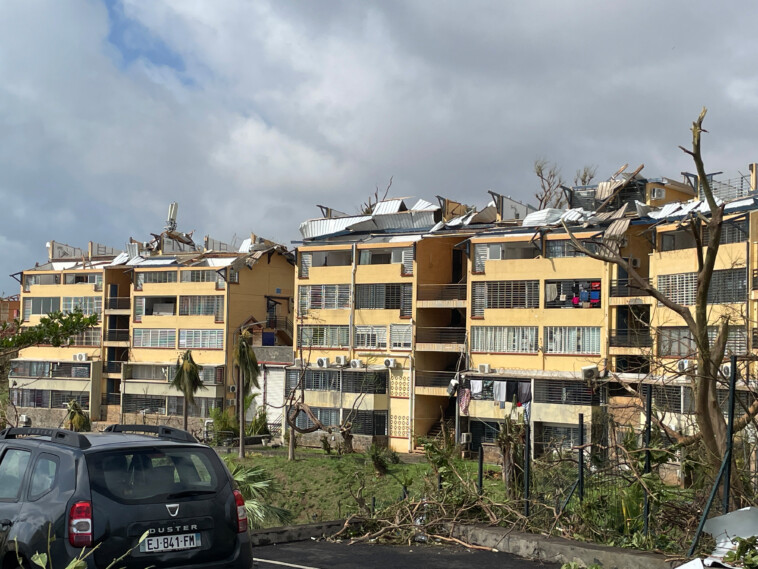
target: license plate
<point>170,543</point>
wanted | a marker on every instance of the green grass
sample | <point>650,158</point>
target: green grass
<point>316,487</point>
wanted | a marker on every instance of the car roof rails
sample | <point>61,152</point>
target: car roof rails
<point>162,431</point>
<point>62,436</point>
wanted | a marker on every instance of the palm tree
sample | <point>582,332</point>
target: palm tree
<point>257,487</point>
<point>245,360</point>
<point>187,381</point>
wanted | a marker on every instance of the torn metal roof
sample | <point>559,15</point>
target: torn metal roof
<point>388,206</point>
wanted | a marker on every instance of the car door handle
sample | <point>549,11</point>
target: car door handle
<point>5,523</point>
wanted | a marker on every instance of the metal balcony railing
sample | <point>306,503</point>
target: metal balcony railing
<point>280,323</point>
<point>442,292</point>
<point>627,287</point>
<point>117,336</point>
<point>111,399</point>
<point>113,367</point>
<point>441,335</point>
<point>434,378</point>
<point>631,339</point>
<point>118,303</point>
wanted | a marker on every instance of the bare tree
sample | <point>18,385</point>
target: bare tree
<point>550,193</point>
<point>368,206</point>
<point>706,376</point>
<point>585,176</point>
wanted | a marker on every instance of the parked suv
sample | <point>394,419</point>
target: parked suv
<point>108,489</point>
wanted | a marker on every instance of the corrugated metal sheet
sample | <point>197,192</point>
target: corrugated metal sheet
<point>219,261</point>
<point>405,220</point>
<point>605,189</point>
<point>423,205</point>
<point>63,265</point>
<point>388,206</point>
<point>318,227</point>
<point>120,259</point>
<point>546,216</point>
<point>616,230</point>
<point>404,239</point>
<point>158,262</point>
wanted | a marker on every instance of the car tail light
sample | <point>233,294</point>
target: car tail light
<point>239,500</point>
<point>80,525</point>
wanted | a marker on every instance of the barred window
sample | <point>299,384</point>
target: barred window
<point>201,408</point>
<point>484,252</point>
<point>331,336</point>
<point>38,398</point>
<point>401,336</point>
<point>679,287</point>
<point>564,392</point>
<point>306,260</point>
<point>143,403</point>
<point>326,297</point>
<point>154,338</point>
<point>736,342</point>
<point>572,339</point>
<point>41,305</point>
<point>364,381</point>
<point>314,379</point>
<point>202,339</point>
<point>373,337</point>
<point>87,304</point>
<point>61,399</point>
<point>728,286</point>
<point>555,248</point>
<point>504,294</point>
<point>155,277</point>
<point>202,306</point>
<point>366,422</point>
<point>554,436</point>
<point>675,341</point>
<point>331,380</point>
<point>669,398</point>
<point>212,374</point>
<point>506,339</point>
<point>731,232</point>
<point>379,296</point>
<point>90,337</point>
<point>328,417</point>
<point>21,368</point>
<point>584,293</point>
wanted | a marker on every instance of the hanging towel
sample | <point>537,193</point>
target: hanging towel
<point>463,401</point>
<point>476,386</point>
<point>498,391</point>
<point>551,292</point>
<point>524,392</point>
<point>511,391</point>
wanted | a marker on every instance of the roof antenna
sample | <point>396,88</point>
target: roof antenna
<point>171,221</point>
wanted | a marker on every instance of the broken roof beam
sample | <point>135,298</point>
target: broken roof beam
<point>617,190</point>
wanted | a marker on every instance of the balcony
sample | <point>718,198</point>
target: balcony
<point>434,378</point>
<point>441,296</point>
<point>439,339</point>
<point>111,399</point>
<point>116,338</point>
<point>118,303</point>
<point>631,339</point>
<point>113,367</point>
<point>627,287</point>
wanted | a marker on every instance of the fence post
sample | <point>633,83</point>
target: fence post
<point>481,469</point>
<point>648,421</point>
<point>527,471</point>
<point>730,431</point>
<point>581,457</point>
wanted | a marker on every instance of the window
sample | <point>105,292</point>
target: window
<point>328,417</point>
<point>371,337</point>
<point>554,436</point>
<point>484,252</point>
<point>43,476</point>
<point>202,306</point>
<point>143,403</point>
<point>61,399</point>
<point>201,339</point>
<point>87,304</point>
<point>201,408</point>
<point>366,422</point>
<point>41,305</point>
<point>504,294</point>
<point>505,339</point>
<point>199,276</point>
<point>327,297</point>
<point>314,380</point>
<point>573,294</point>
<point>154,338</point>
<point>332,380</point>
<point>306,260</point>
<point>83,278</point>
<point>401,336</point>
<point>401,255</point>
<point>142,371</point>
<point>155,277</point>
<point>36,398</point>
<point>91,337</point>
<point>679,287</point>
<point>154,306</point>
<point>325,336</point>
<point>364,381</point>
<point>572,339</point>
<point>213,375</point>
<point>727,286</point>
<point>48,279</point>
<point>565,248</point>
<point>731,232</point>
<point>564,392</point>
<point>20,368</point>
<point>675,341</point>
<point>12,469</point>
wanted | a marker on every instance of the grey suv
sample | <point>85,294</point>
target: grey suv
<point>108,489</point>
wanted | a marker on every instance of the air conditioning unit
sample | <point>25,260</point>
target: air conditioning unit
<point>341,360</point>
<point>634,262</point>
<point>389,362</point>
<point>24,421</point>
<point>589,373</point>
<point>465,438</point>
<point>322,362</point>
<point>726,370</point>
<point>683,365</point>
<point>298,362</point>
<point>81,357</point>
<point>355,364</point>
<point>232,389</point>
<point>484,368</point>
<point>658,194</point>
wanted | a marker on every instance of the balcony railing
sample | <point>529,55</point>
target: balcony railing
<point>118,303</point>
<point>113,367</point>
<point>280,323</point>
<point>631,339</point>
<point>117,336</point>
<point>441,335</point>
<point>627,287</point>
<point>434,378</point>
<point>111,399</point>
<point>442,292</point>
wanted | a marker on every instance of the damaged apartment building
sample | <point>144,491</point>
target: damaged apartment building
<point>415,315</point>
<point>156,299</point>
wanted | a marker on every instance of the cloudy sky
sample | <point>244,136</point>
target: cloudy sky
<point>250,113</point>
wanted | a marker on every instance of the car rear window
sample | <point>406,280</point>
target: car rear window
<point>153,474</point>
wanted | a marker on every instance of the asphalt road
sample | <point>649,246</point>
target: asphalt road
<point>324,555</point>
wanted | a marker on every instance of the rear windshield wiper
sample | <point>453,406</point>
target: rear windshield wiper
<point>186,493</point>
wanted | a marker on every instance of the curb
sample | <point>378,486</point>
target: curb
<point>557,549</point>
<point>287,534</point>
